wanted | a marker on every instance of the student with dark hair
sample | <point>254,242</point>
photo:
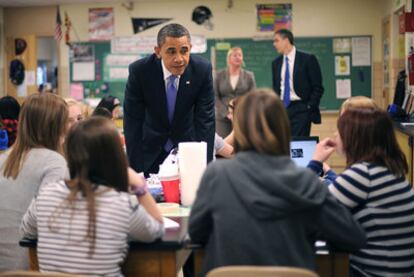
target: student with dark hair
<point>101,111</point>
<point>260,203</point>
<point>297,79</point>
<point>91,216</point>
<point>375,190</point>
<point>9,112</point>
<point>110,103</point>
<point>34,160</point>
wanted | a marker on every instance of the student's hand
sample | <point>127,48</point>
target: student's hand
<point>326,167</point>
<point>135,179</point>
<point>324,150</point>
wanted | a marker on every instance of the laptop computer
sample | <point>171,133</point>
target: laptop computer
<point>302,149</point>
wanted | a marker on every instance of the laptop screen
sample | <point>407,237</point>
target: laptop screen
<point>302,148</point>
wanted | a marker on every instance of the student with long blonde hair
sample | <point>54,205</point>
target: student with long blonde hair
<point>34,160</point>
<point>91,216</point>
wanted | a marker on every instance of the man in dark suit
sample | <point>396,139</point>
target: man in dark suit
<point>169,99</point>
<point>302,82</point>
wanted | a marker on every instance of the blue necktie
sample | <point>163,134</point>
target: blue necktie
<point>171,98</point>
<point>286,92</point>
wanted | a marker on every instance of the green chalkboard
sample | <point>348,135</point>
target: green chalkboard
<point>258,56</point>
<point>98,87</point>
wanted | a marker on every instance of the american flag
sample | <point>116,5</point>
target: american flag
<point>58,27</point>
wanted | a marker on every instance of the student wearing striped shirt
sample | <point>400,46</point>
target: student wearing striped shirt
<point>374,188</point>
<point>83,224</point>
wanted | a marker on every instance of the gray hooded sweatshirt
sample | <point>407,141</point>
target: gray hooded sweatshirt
<point>258,209</point>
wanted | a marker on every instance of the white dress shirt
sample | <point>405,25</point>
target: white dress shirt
<point>291,57</point>
<point>167,75</point>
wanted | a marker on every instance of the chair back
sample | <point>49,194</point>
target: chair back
<point>260,271</point>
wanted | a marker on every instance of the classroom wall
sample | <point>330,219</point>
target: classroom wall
<point>310,18</point>
<point>39,21</point>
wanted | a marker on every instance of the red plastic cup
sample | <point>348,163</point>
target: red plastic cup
<point>171,190</point>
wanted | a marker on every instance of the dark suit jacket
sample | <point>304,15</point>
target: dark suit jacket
<point>307,81</point>
<point>146,123</point>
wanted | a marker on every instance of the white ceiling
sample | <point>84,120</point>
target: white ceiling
<point>29,3</point>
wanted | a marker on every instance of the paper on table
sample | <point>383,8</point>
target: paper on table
<point>343,88</point>
<point>170,224</point>
<point>182,212</point>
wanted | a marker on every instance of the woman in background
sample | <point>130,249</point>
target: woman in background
<point>9,113</point>
<point>261,203</point>
<point>34,160</point>
<point>91,216</point>
<point>229,83</point>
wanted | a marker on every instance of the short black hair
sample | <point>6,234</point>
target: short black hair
<point>101,111</point>
<point>9,108</point>
<point>109,102</point>
<point>285,33</point>
<point>172,30</point>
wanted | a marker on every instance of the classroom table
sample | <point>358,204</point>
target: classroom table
<point>165,257</point>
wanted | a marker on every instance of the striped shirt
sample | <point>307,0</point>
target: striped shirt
<point>384,205</point>
<point>62,245</point>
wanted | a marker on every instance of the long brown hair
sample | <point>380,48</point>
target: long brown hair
<point>95,157</point>
<point>368,136</point>
<point>42,124</point>
<point>261,124</point>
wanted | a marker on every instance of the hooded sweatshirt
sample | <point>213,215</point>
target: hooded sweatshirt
<point>259,209</point>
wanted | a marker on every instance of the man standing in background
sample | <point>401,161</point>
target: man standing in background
<point>297,79</point>
<point>169,99</point>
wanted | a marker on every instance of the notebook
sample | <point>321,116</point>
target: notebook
<point>302,148</point>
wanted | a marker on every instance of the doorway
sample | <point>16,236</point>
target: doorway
<point>47,65</point>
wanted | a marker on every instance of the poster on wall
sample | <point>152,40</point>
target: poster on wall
<point>142,24</point>
<point>273,17</point>
<point>101,24</point>
<point>341,45</point>
<point>342,65</point>
<point>145,44</point>
<point>361,51</point>
<point>82,53</point>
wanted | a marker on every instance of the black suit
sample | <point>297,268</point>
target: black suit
<point>307,83</point>
<point>146,123</point>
